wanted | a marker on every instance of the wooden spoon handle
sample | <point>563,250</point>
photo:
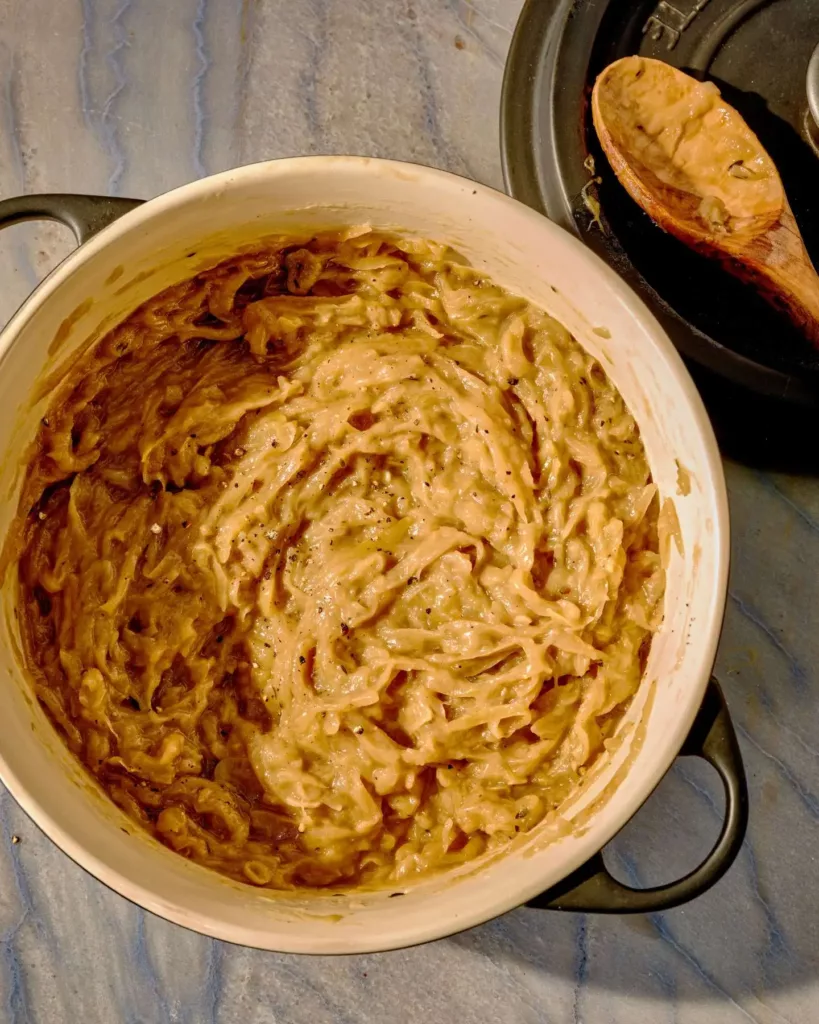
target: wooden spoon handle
<point>779,266</point>
<point>798,296</point>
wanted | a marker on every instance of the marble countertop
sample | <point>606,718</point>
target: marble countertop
<point>133,97</point>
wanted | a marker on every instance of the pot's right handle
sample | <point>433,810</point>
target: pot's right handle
<point>85,215</point>
<point>592,889</point>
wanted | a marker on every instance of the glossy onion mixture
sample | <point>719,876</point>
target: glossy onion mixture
<point>338,564</point>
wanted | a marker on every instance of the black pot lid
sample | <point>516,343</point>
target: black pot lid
<point>757,52</point>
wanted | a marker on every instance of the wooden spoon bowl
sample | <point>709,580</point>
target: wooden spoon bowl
<point>696,168</point>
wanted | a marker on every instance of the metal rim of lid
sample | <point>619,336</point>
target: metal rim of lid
<point>812,86</point>
<point>539,80</point>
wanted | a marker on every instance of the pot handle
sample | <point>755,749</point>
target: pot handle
<point>85,215</point>
<point>592,889</point>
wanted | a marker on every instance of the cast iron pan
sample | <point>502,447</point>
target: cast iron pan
<point>757,51</point>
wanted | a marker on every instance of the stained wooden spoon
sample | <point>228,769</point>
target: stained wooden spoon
<point>700,173</point>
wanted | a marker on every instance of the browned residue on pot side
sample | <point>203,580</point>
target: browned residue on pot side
<point>138,279</point>
<point>115,274</point>
<point>51,379</point>
<point>683,480</point>
<point>67,325</point>
<point>668,525</point>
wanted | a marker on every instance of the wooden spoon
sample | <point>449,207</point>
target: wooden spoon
<point>697,169</point>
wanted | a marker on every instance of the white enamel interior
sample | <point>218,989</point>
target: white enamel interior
<point>529,255</point>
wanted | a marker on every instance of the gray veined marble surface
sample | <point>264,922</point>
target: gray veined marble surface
<point>133,97</point>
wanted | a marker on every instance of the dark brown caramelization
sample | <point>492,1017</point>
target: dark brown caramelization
<point>337,563</point>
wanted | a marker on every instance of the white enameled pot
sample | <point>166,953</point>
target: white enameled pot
<point>154,244</point>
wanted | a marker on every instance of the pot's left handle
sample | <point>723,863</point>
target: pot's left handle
<point>85,215</point>
<point>593,889</point>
